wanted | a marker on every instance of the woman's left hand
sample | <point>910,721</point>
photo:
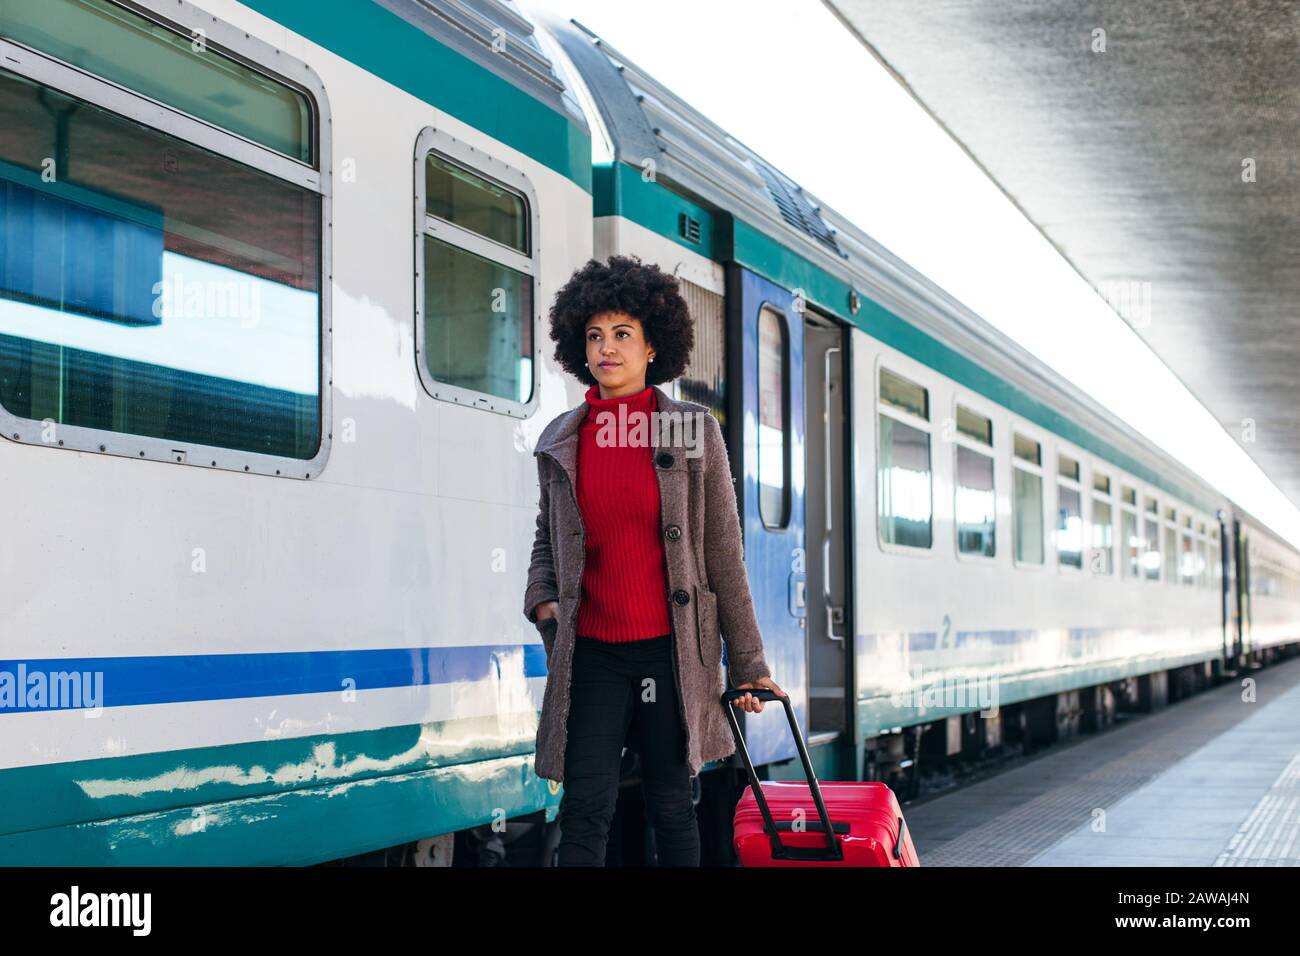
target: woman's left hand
<point>751,703</point>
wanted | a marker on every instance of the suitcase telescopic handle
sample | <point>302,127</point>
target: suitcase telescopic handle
<point>832,850</point>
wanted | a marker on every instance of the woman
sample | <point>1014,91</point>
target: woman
<point>636,564</point>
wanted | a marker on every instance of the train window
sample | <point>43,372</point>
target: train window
<point>975,504</point>
<point>1215,559</point>
<point>1102,555</point>
<point>475,292</point>
<point>1151,540</point>
<point>773,437</point>
<point>903,484</point>
<point>1202,556</point>
<point>1261,580</point>
<point>1069,514</point>
<point>1187,566</point>
<point>161,276</point>
<point>902,394</point>
<point>1028,501</point>
<point>1132,542</point>
<point>456,195</point>
<point>1027,449</point>
<point>1171,554</point>
<point>184,71</point>
<point>974,426</point>
<point>1069,527</point>
<point>904,490</point>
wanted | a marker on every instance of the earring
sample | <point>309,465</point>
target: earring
<point>652,358</point>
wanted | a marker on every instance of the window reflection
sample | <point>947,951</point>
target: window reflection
<point>152,287</point>
<point>1029,516</point>
<point>1101,537</point>
<point>976,503</point>
<point>903,484</point>
<point>1069,527</point>
<point>478,322</point>
<point>772,438</point>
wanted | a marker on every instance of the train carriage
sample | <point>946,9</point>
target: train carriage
<point>282,526</point>
<point>273,360</point>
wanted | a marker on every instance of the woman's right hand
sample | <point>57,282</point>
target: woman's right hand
<point>547,609</point>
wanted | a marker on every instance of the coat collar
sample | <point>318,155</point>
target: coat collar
<point>560,438</point>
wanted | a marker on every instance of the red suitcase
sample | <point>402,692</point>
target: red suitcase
<point>863,820</point>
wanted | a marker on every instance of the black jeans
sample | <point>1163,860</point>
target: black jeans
<point>613,685</point>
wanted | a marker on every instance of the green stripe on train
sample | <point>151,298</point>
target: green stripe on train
<point>307,825</point>
<point>621,191</point>
<point>384,44</point>
<point>51,803</point>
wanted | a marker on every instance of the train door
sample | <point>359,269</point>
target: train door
<point>827,528</point>
<point>1243,592</point>
<point>1228,594</point>
<point>766,424</point>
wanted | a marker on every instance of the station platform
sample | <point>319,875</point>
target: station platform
<point>1212,780</point>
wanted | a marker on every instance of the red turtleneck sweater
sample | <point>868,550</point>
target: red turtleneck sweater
<point>624,580</point>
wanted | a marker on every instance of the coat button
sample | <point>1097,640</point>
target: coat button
<point>664,459</point>
<point>673,532</point>
<point>681,597</point>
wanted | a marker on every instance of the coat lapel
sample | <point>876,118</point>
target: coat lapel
<point>561,440</point>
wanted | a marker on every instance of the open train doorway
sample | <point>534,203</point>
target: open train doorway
<point>828,529</point>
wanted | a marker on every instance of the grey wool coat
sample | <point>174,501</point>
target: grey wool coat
<point>708,592</point>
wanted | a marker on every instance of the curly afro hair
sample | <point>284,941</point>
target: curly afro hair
<point>623,284</point>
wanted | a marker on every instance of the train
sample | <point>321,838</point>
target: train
<point>273,363</point>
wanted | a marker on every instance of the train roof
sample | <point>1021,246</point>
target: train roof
<point>645,120</point>
<point>498,37</point>
<point>478,60</point>
<point>835,263</point>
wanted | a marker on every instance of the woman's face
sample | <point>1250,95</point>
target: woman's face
<point>617,353</point>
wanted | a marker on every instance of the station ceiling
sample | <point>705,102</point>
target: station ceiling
<point>1130,160</point>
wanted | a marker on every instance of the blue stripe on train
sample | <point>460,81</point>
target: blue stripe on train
<point>169,679</point>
